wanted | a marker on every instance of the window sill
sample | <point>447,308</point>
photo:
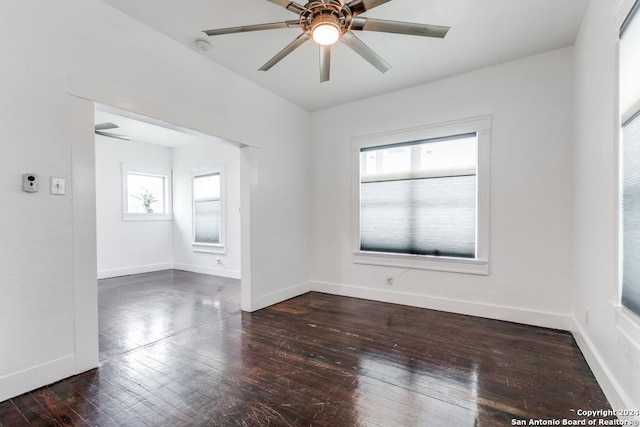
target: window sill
<point>208,248</point>
<point>456,265</point>
<point>147,217</point>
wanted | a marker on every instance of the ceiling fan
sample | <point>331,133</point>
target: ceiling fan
<point>327,21</point>
<point>100,129</point>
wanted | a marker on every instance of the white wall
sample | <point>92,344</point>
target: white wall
<point>128,247</point>
<point>531,103</point>
<point>82,51</point>
<point>607,337</point>
<point>205,156</point>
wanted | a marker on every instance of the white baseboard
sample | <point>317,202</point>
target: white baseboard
<point>612,390</point>
<point>272,298</point>
<point>38,376</point>
<point>138,269</point>
<point>135,269</point>
<point>213,271</point>
<point>510,314</point>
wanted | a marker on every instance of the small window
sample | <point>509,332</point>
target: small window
<point>422,198</point>
<point>207,212</point>
<point>146,193</point>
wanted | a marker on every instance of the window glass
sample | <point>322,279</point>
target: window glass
<point>630,162</point>
<point>146,193</point>
<point>631,215</point>
<point>207,209</point>
<point>419,198</point>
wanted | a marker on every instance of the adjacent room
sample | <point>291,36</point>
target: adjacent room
<point>365,212</point>
<point>165,200</point>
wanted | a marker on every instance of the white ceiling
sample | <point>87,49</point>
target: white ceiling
<point>483,33</point>
<point>145,129</point>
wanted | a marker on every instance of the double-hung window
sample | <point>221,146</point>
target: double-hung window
<point>422,197</point>
<point>630,160</point>
<point>208,225</point>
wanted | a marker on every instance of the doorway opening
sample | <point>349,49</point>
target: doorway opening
<point>167,229</point>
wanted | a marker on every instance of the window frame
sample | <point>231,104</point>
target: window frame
<point>215,248</point>
<point>628,109</point>
<point>481,125</point>
<point>167,215</point>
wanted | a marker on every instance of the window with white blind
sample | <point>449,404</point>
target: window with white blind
<point>630,161</point>
<point>207,212</point>
<point>422,197</point>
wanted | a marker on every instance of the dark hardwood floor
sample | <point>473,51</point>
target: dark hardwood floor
<point>176,350</point>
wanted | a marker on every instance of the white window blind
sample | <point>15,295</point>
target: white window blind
<point>206,209</point>
<point>420,197</point>
<point>631,214</point>
<point>630,160</point>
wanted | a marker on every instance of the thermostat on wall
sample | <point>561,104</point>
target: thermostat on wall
<point>30,182</point>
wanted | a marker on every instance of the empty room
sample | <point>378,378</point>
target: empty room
<point>338,213</point>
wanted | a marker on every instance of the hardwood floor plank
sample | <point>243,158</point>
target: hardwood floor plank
<point>10,415</point>
<point>177,351</point>
<point>79,404</point>
<point>59,410</point>
<point>33,412</point>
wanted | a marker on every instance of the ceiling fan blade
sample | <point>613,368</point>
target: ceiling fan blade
<point>325,62</point>
<point>397,27</point>
<point>365,51</point>
<point>105,126</point>
<point>113,135</point>
<point>289,5</point>
<point>257,27</point>
<point>361,6</point>
<point>286,51</point>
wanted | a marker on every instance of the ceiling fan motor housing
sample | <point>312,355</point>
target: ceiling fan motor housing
<point>331,12</point>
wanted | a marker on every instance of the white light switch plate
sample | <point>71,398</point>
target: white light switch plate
<point>58,186</point>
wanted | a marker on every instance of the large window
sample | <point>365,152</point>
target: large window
<point>422,197</point>
<point>207,212</point>
<point>146,193</point>
<point>630,161</point>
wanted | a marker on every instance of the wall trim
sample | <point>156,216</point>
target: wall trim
<point>139,107</point>
<point>150,268</point>
<point>497,312</point>
<point>611,388</point>
<point>134,269</point>
<point>266,300</point>
<point>203,269</point>
<point>20,382</point>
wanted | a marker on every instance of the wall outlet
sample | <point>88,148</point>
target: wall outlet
<point>586,316</point>
<point>389,280</point>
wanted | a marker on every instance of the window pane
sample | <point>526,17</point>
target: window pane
<point>420,197</point>
<point>441,157</point>
<point>450,157</point>
<point>206,208</point>
<point>207,221</point>
<point>146,193</point>
<point>631,214</point>
<point>206,187</point>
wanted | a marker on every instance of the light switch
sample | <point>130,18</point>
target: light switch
<point>58,186</point>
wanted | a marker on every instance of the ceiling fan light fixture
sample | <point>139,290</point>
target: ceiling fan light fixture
<point>325,30</point>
